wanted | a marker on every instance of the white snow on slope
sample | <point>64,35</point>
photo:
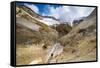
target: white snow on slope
<point>50,21</point>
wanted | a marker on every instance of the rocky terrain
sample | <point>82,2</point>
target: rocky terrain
<point>39,43</point>
<point>80,42</point>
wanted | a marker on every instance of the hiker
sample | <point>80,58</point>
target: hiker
<point>82,31</point>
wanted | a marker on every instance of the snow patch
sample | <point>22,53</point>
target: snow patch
<point>50,21</point>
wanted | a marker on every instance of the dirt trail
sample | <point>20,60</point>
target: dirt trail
<point>54,51</point>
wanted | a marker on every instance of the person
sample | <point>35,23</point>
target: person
<point>52,55</point>
<point>82,31</point>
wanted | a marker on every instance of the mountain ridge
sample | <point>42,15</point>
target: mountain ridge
<point>35,38</point>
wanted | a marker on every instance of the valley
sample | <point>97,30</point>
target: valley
<point>40,43</point>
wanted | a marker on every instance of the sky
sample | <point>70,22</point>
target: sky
<point>62,12</point>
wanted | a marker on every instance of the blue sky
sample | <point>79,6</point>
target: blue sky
<point>42,8</point>
<point>63,13</point>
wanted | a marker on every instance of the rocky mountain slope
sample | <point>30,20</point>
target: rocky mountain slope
<point>80,43</point>
<point>32,34</point>
<point>39,43</point>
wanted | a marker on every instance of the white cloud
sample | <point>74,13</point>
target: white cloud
<point>84,11</point>
<point>69,13</point>
<point>33,7</point>
<point>64,13</point>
